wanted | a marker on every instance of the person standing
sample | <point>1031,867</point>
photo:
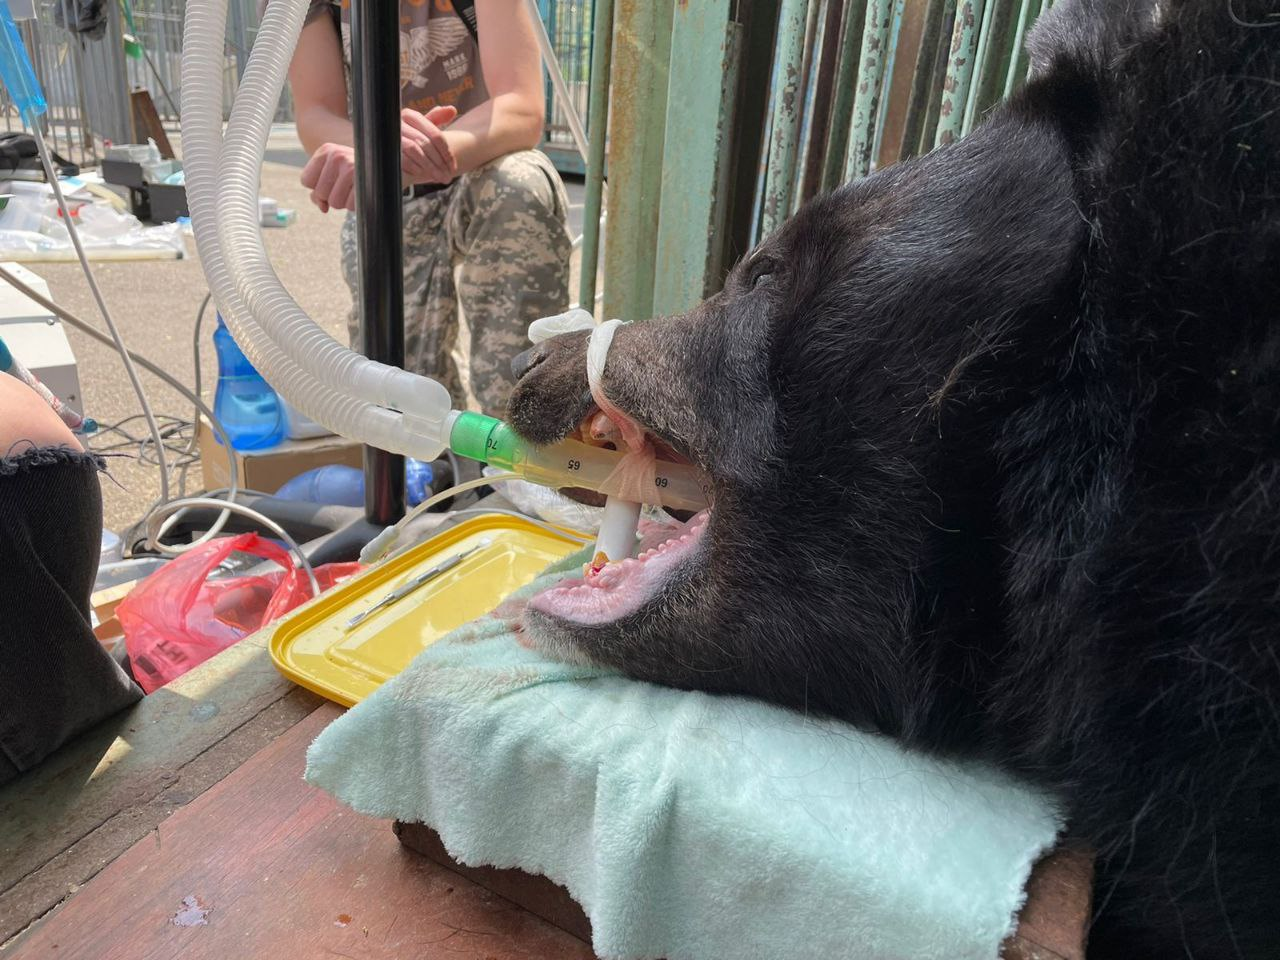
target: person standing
<point>478,196</point>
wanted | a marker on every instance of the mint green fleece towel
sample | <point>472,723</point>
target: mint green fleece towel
<point>688,826</point>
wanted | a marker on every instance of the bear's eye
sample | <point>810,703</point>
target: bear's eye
<point>760,271</point>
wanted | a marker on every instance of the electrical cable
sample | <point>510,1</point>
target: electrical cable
<point>47,162</point>
<point>172,511</point>
<point>195,354</point>
<point>159,518</point>
<point>381,545</point>
<point>170,427</point>
<point>536,521</point>
<point>90,330</point>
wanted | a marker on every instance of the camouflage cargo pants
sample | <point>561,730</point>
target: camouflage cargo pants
<point>504,226</point>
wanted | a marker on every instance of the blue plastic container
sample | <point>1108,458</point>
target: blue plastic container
<point>344,486</point>
<point>244,403</point>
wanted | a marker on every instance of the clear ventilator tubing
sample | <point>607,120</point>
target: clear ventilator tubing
<point>423,401</point>
<point>202,71</point>
<point>327,403</point>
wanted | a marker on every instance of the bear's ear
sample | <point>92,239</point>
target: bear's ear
<point>1089,35</point>
<point>992,224</point>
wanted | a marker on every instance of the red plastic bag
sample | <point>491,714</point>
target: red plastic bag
<point>177,618</point>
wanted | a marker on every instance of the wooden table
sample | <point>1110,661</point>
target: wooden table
<point>183,828</point>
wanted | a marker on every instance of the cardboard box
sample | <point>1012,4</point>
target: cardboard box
<point>267,470</point>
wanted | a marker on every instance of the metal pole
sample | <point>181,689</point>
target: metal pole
<point>642,57</point>
<point>918,104</point>
<point>811,182</point>
<point>375,115</point>
<point>699,117</point>
<point>597,134</point>
<point>808,92</point>
<point>993,40</point>
<point>787,84</point>
<point>929,133</point>
<point>866,99</point>
<point>842,106</point>
<point>1028,10</point>
<point>886,82</point>
<point>964,39</point>
<point>758,20</point>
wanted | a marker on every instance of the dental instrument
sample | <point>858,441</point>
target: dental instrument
<point>412,584</point>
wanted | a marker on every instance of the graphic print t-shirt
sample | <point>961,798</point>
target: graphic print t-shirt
<point>439,61</point>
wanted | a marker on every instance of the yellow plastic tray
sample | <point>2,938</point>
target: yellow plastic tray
<point>312,648</point>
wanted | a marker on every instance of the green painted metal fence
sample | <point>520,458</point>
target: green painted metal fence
<point>726,115</point>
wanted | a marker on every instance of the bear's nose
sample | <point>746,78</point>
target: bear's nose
<point>522,363</point>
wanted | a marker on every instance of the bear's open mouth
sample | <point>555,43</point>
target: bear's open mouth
<point>612,591</point>
<point>618,590</point>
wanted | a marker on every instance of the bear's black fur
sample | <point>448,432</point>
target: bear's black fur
<point>995,441</point>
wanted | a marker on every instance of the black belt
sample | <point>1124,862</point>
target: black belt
<point>420,190</point>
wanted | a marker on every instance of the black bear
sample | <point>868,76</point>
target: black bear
<point>994,438</point>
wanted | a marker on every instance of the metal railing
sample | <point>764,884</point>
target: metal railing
<point>569,25</point>
<point>726,115</point>
<point>158,29</point>
<point>65,66</point>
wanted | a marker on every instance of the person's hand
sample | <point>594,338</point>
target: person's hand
<point>330,174</point>
<point>425,153</point>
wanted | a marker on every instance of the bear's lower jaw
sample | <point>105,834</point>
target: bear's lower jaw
<point>617,590</point>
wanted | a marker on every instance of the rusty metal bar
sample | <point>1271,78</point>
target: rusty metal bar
<point>812,32</point>
<point>842,106</point>
<point>697,123</point>
<point>787,106</point>
<point>1028,10</point>
<point>866,99</point>
<point>993,41</point>
<point>955,94</point>
<point>597,136</point>
<point>895,33</point>
<point>921,91</point>
<point>928,135</point>
<point>638,105</point>
<point>828,54</point>
<point>758,22</point>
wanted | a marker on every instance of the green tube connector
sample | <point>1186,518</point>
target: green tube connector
<point>486,439</point>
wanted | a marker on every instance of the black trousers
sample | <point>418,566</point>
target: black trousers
<point>56,679</point>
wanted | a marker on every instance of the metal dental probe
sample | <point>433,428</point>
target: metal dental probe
<point>413,584</point>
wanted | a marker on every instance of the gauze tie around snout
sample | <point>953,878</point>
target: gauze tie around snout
<point>634,477</point>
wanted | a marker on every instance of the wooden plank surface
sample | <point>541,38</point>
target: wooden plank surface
<point>108,787</point>
<point>85,805</point>
<point>537,894</point>
<point>1054,921</point>
<point>263,865</point>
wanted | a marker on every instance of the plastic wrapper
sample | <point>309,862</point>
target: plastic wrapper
<point>178,618</point>
<point>31,228</point>
<point>554,507</point>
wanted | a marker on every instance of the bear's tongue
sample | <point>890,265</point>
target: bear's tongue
<point>618,590</point>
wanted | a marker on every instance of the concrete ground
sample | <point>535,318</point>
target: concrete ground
<point>155,303</point>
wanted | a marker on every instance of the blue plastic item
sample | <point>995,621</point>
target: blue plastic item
<point>344,486</point>
<point>15,69</point>
<point>244,403</point>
